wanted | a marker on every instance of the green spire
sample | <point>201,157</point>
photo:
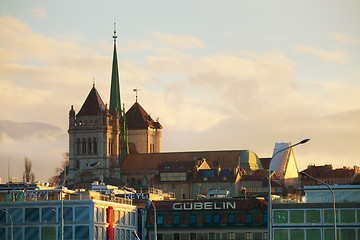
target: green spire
<point>115,102</point>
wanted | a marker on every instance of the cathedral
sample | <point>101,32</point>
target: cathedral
<point>107,135</point>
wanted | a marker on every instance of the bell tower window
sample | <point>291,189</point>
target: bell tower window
<point>89,146</point>
<point>95,146</point>
<point>78,144</point>
<point>83,146</point>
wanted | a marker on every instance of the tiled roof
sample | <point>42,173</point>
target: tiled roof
<point>151,161</point>
<point>177,166</point>
<point>138,118</point>
<point>93,104</point>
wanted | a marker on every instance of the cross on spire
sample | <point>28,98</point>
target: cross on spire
<point>114,36</point>
<point>136,90</point>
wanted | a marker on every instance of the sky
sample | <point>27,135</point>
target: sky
<point>219,75</point>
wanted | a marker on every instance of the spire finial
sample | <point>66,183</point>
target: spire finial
<point>136,90</point>
<point>114,36</point>
<point>93,82</point>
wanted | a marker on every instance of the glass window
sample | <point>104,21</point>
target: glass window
<point>347,216</point>
<point>208,219</point>
<point>249,236</point>
<point>81,232</point>
<point>193,219</point>
<point>31,215</point>
<point>211,236</point>
<point>297,234</point>
<point>67,233</point>
<point>16,214</point>
<point>82,214</point>
<point>127,234</point>
<point>281,234</point>
<point>249,218</point>
<point>160,220</point>
<point>176,236</point>
<point>297,216</point>
<point>48,215</point>
<point>231,218</point>
<point>132,219</point>
<point>313,234</point>
<point>358,217</point>
<point>216,219</point>
<point>68,214</point>
<point>31,233</point>
<point>122,234</point>
<point>192,236</point>
<point>3,217</point>
<point>18,233</point>
<point>329,216</point>
<point>281,216</point>
<point>176,219</point>
<point>313,216</point>
<point>2,232</point>
<point>329,234</point>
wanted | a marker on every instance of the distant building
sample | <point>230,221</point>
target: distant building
<point>215,219</point>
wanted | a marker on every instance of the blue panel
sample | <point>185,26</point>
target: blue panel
<point>231,218</point>
<point>176,219</point>
<point>193,219</point>
<point>249,218</point>
<point>208,219</point>
<point>216,219</point>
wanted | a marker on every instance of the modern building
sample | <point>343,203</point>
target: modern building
<point>209,219</point>
<point>34,213</point>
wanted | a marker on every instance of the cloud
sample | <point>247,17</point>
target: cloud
<point>338,55</point>
<point>38,12</point>
<point>182,42</point>
<point>344,39</point>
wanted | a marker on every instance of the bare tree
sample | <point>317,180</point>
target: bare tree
<point>60,172</point>
<point>28,175</point>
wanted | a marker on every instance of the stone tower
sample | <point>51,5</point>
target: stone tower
<point>97,134</point>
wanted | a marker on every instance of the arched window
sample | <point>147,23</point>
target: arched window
<point>78,144</point>
<point>110,146</point>
<point>83,146</point>
<point>77,164</point>
<point>89,147</point>
<point>95,146</point>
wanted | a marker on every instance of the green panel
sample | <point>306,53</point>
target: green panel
<point>48,233</point>
<point>281,234</point>
<point>312,216</point>
<point>328,216</point>
<point>329,234</point>
<point>348,234</point>
<point>347,216</point>
<point>281,216</point>
<point>297,216</point>
<point>313,234</point>
<point>297,234</point>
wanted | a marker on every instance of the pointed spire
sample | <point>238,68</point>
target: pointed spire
<point>115,102</point>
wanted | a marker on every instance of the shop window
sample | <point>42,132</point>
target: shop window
<point>329,234</point>
<point>216,219</point>
<point>348,234</point>
<point>176,236</point>
<point>192,236</point>
<point>347,216</point>
<point>208,219</point>
<point>68,214</point>
<point>313,234</point>
<point>312,216</point>
<point>281,234</point>
<point>249,236</point>
<point>231,236</point>
<point>193,219</point>
<point>297,234</point>
<point>82,214</point>
<point>297,216</point>
<point>280,216</point>
<point>81,232</point>
<point>31,215</point>
<point>176,219</point>
<point>18,232</point>
<point>32,233</point>
<point>160,236</point>
<point>48,233</point>
<point>211,236</point>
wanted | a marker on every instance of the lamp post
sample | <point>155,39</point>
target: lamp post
<point>269,186</point>
<point>62,201</point>
<point>155,225</point>
<point>333,195</point>
<point>12,223</point>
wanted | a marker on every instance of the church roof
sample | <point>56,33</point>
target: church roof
<point>138,118</point>
<point>151,161</point>
<point>93,104</point>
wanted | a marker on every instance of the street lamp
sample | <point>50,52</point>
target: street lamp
<point>269,186</point>
<point>12,223</point>
<point>333,195</point>
<point>151,202</point>
<point>62,201</point>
